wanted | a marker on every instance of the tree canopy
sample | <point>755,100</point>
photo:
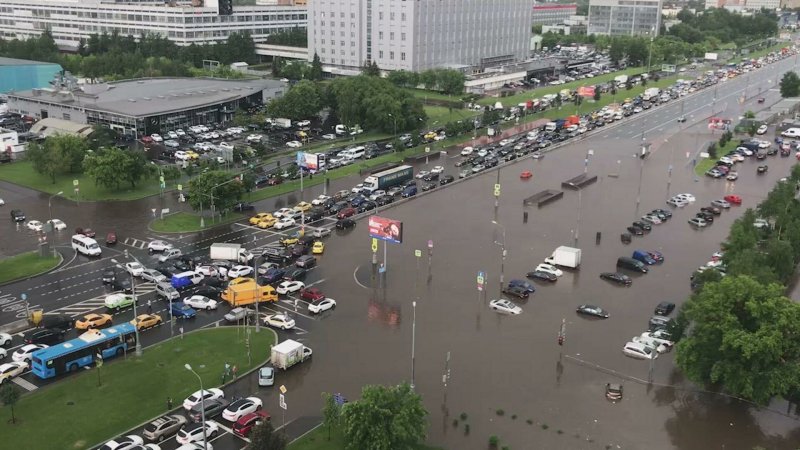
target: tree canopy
<point>302,101</point>
<point>385,418</point>
<point>110,167</point>
<point>58,154</point>
<point>374,103</point>
<point>790,84</point>
<point>264,437</point>
<point>215,185</point>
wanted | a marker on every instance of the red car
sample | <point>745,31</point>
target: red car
<point>246,423</point>
<point>345,213</point>
<point>88,232</point>
<point>311,294</point>
<point>111,238</point>
<point>146,140</point>
<point>733,199</point>
<point>274,181</point>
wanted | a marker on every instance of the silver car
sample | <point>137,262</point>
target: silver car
<point>266,376</point>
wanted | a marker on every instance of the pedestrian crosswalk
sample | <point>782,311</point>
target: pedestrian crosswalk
<point>98,302</point>
<point>135,243</point>
<point>24,384</point>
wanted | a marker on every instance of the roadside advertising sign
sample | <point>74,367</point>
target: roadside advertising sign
<point>386,229</point>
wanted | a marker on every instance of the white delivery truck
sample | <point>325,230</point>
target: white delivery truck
<point>565,257</point>
<point>282,122</point>
<point>288,353</point>
<point>230,252</point>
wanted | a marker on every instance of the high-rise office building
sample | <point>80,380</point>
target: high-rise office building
<point>624,17</point>
<point>416,35</point>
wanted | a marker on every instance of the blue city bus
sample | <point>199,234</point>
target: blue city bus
<point>80,352</point>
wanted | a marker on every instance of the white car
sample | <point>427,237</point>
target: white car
<point>303,123</point>
<point>376,194</point>
<point>549,268</point>
<point>422,174</point>
<point>466,151</point>
<point>241,407</point>
<point>128,442</point>
<point>698,222</point>
<point>156,137</point>
<point>505,142</point>
<point>745,151</point>
<point>659,348</point>
<point>180,132</point>
<point>226,146</point>
<point>195,433</point>
<point>322,305</point>
<point>686,197</point>
<point>158,246</point>
<point>254,138</point>
<point>320,200</point>
<point>196,446</point>
<point>240,271</point>
<point>437,169</point>
<point>172,135</point>
<point>280,320</point>
<point>207,270</point>
<point>34,225</point>
<point>3,353</point>
<point>181,155</point>
<point>288,287</point>
<point>719,203</point>
<point>205,394</point>
<point>263,268</point>
<point>652,218</point>
<point>658,338</point>
<point>639,351</point>
<point>357,188</point>
<point>200,302</point>
<point>57,224</point>
<point>282,212</point>
<point>676,202</point>
<point>134,268</point>
<point>284,222</point>
<point>294,144</point>
<point>764,144</point>
<point>505,306</point>
<point>328,136</point>
<point>5,338</point>
<point>153,276</point>
<point>23,354</point>
<point>171,143</point>
<point>11,370</point>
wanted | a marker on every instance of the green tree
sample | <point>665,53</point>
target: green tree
<point>303,101</point>
<point>450,82</point>
<point>385,418</point>
<point>9,395</point>
<point>398,78</point>
<point>790,84</point>
<point>264,437</point>
<point>316,68</point>
<point>637,51</point>
<point>428,79</point>
<point>597,95</point>
<point>331,413</point>
<point>749,115</point>
<point>110,167</point>
<point>617,51</point>
<point>59,154</point>
<point>370,70</point>
<point>742,336</point>
<point>296,70</point>
<point>216,186</point>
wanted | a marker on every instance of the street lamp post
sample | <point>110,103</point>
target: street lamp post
<point>395,124</point>
<point>503,247</point>
<point>413,341</point>
<point>589,153</point>
<point>135,315</point>
<point>202,409</point>
<point>650,53</point>
<point>50,205</point>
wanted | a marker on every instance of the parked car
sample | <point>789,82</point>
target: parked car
<point>591,310</point>
<point>505,306</point>
<point>617,277</point>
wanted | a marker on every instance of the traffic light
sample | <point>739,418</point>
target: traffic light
<point>560,339</point>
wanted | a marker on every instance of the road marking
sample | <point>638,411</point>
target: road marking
<point>25,384</point>
<point>135,243</point>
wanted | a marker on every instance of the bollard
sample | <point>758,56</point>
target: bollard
<point>597,238</point>
<point>525,217</point>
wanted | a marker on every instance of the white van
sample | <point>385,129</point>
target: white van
<point>85,245</point>
<point>356,152</point>
<point>791,132</point>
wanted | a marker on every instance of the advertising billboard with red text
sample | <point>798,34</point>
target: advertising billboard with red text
<point>386,229</point>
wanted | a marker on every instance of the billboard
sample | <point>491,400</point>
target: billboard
<point>309,161</point>
<point>586,91</point>
<point>711,57</point>
<point>386,229</point>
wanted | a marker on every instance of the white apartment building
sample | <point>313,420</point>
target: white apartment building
<point>753,5</point>
<point>71,20</point>
<point>624,17</point>
<point>416,35</point>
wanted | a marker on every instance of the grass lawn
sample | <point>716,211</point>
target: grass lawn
<point>441,115</point>
<point>22,173</point>
<point>538,92</point>
<point>759,53</point>
<point>707,163</point>
<point>318,440</point>
<point>75,413</point>
<point>433,95</point>
<point>183,222</point>
<point>25,264</point>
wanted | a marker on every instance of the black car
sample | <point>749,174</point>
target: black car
<point>643,225</point>
<point>295,274</point>
<point>168,270</point>
<point>517,291</point>
<point>314,215</point>
<point>108,276</point>
<point>122,284</point>
<point>616,277</point>
<point>664,308</point>
<point>541,275</point>
<point>658,322</point>
<point>366,206</point>
<point>708,217</point>
<point>635,231</point>
<point>663,214</point>
<point>384,200</point>
<point>447,179</point>
<point>17,215</point>
<point>44,336</point>
<point>299,249</point>
<point>591,310</point>
<point>209,291</point>
<point>272,276</point>
<point>345,224</point>
<point>181,265</point>
<point>711,210</point>
<point>241,207</point>
<point>428,186</point>
<point>431,177</point>
<point>338,206</point>
<point>213,407</point>
<point>760,169</point>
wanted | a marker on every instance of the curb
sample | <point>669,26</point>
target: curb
<point>27,277</point>
<point>208,228</point>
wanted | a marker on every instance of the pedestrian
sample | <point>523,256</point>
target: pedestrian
<point>234,371</point>
<point>149,307</point>
<point>169,403</point>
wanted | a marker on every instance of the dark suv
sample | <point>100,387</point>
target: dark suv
<point>17,215</point>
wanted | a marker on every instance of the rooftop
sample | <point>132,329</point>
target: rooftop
<point>20,62</point>
<point>153,96</point>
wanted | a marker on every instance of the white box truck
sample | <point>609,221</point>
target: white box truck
<point>288,353</point>
<point>230,252</point>
<point>565,257</point>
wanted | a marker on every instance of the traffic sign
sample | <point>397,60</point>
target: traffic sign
<point>161,178</point>
<point>75,182</point>
<point>23,296</point>
<point>374,245</point>
<point>282,402</point>
<point>180,187</point>
<point>283,389</point>
<point>497,190</point>
<point>418,253</point>
<point>430,243</point>
<point>427,149</point>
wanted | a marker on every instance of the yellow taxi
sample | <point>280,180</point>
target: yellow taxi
<point>266,222</point>
<point>291,240</point>
<point>192,154</point>
<point>145,321</point>
<point>318,248</point>
<point>92,321</point>
<point>303,206</point>
<point>259,217</point>
<point>240,280</point>
<point>430,135</point>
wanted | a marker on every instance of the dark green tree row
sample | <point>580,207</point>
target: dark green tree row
<point>448,81</point>
<point>742,330</point>
<point>116,56</point>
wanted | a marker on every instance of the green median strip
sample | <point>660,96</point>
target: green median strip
<point>74,413</point>
<point>26,265</point>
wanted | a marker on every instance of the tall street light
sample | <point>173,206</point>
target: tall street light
<point>203,407</point>
<point>413,342</point>
<point>650,53</point>
<point>589,153</point>
<point>50,203</point>
<point>395,124</point>
<point>503,247</point>
<point>135,315</point>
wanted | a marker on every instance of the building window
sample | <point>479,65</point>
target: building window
<point>352,15</point>
<point>391,16</point>
<point>380,34</point>
<point>380,54</point>
<point>403,17</point>
<point>391,35</point>
<point>402,36</point>
<point>352,43</point>
<point>403,56</point>
<point>341,43</point>
<point>380,15</point>
<point>66,116</point>
<point>322,41</point>
<point>391,55</point>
